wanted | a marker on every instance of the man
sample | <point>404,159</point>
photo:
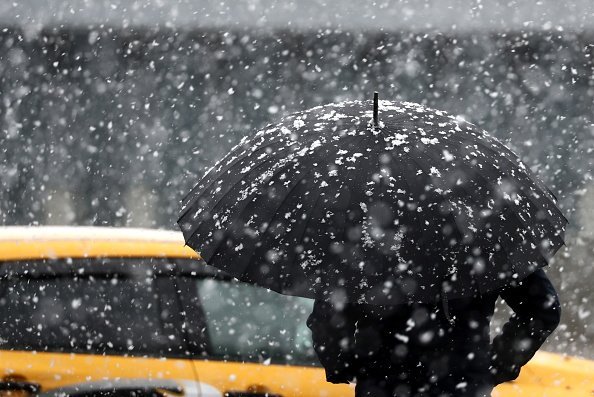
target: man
<point>434,349</point>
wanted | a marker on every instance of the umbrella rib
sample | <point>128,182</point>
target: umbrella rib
<point>248,201</point>
<point>220,173</point>
<point>361,138</point>
<point>487,182</point>
<point>220,162</point>
<point>193,230</point>
<point>243,178</point>
<point>239,216</point>
<point>519,222</point>
<point>486,141</point>
<point>515,216</point>
<point>245,155</point>
<point>533,179</point>
<point>409,157</point>
<point>304,230</point>
<point>275,213</point>
<point>404,180</point>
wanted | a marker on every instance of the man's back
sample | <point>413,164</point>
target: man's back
<point>426,349</point>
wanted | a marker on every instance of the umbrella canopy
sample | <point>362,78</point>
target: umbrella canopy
<point>329,204</point>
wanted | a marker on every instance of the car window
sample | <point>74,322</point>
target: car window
<point>248,323</point>
<point>104,313</point>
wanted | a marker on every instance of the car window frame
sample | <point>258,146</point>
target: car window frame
<point>195,323</point>
<point>200,342</point>
<point>194,319</point>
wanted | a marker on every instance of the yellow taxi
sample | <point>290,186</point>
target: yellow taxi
<point>90,304</point>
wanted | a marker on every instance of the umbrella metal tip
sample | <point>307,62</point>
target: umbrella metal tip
<point>375,110</point>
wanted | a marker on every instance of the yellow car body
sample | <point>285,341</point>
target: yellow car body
<point>547,374</point>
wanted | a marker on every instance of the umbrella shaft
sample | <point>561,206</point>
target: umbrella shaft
<point>375,109</point>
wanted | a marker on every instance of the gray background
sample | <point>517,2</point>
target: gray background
<point>110,111</point>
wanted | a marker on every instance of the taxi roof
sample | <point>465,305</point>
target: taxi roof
<point>48,242</point>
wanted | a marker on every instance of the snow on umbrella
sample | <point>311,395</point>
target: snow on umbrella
<point>331,203</point>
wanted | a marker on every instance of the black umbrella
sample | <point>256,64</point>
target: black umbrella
<point>332,204</point>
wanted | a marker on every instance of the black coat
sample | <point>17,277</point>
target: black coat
<point>419,345</point>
